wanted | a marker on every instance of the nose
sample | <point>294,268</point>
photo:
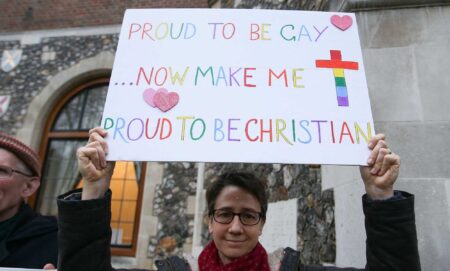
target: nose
<point>236,226</point>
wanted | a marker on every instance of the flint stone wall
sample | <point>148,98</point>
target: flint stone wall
<point>39,63</point>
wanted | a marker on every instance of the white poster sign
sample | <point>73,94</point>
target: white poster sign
<point>236,85</point>
<point>280,229</point>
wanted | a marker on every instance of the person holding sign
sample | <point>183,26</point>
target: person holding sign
<point>237,206</point>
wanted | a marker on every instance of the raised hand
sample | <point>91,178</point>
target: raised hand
<point>382,170</point>
<point>94,168</point>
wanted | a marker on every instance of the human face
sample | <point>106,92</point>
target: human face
<point>16,188</point>
<point>235,240</point>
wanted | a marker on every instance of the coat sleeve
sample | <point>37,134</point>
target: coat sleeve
<point>391,234</point>
<point>84,233</point>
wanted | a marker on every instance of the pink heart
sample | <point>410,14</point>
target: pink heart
<point>165,100</point>
<point>149,95</point>
<point>343,23</point>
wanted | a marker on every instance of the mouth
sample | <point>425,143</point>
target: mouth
<point>235,244</point>
<point>235,241</point>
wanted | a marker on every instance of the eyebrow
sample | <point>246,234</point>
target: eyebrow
<point>24,168</point>
<point>243,209</point>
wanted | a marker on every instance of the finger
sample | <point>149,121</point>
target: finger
<point>101,153</point>
<point>98,134</point>
<point>99,130</point>
<point>82,156</point>
<point>389,161</point>
<point>89,154</point>
<point>374,140</point>
<point>382,152</point>
<point>96,137</point>
<point>375,151</point>
<point>110,167</point>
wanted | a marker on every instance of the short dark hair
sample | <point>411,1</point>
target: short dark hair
<point>243,180</point>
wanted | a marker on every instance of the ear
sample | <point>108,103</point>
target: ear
<point>261,227</point>
<point>210,226</point>
<point>30,187</point>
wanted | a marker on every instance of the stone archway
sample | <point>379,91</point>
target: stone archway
<point>41,106</point>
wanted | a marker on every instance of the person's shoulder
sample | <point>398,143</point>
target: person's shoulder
<point>284,259</point>
<point>32,223</point>
<point>291,259</point>
<point>172,263</point>
<point>41,220</point>
<point>46,221</point>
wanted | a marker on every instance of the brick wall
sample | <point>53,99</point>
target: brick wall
<point>21,15</point>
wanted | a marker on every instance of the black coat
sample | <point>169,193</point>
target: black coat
<point>33,242</point>
<point>85,234</point>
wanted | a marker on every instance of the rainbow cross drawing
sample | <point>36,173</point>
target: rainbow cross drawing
<point>338,67</point>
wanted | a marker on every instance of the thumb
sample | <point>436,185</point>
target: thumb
<point>110,167</point>
<point>49,266</point>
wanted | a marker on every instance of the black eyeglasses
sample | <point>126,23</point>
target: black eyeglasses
<point>7,172</point>
<point>248,218</point>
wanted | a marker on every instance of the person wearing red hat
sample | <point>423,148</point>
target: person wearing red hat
<point>27,239</point>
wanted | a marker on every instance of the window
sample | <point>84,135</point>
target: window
<point>67,130</point>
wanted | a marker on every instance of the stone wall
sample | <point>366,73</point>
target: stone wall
<point>405,55</point>
<point>38,64</point>
<point>46,14</point>
<point>175,225</point>
<point>282,4</point>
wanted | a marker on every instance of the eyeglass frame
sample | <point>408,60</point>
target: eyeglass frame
<point>237,214</point>
<point>12,170</point>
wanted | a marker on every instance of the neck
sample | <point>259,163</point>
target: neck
<point>10,212</point>
<point>225,260</point>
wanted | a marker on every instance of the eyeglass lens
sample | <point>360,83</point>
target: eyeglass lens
<point>246,218</point>
<point>5,172</point>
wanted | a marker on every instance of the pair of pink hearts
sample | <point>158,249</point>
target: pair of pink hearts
<point>343,23</point>
<point>161,98</point>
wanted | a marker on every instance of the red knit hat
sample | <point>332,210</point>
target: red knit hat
<point>22,151</point>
